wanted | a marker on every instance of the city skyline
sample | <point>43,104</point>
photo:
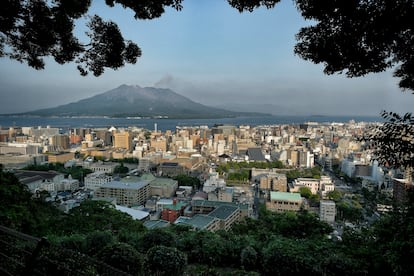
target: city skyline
<point>214,55</point>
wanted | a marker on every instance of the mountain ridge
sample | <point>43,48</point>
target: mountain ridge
<point>137,101</point>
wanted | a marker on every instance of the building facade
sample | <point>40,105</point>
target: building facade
<point>281,202</point>
<point>126,193</point>
<point>327,211</point>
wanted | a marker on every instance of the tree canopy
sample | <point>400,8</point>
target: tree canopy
<point>359,37</point>
<point>393,142</point>
<point>31,30</point>
<point>356,37</point>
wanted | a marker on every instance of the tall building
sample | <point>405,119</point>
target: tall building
<point>159,144</point>
<point>274,182</point>
<point>60,141</point>
<point>401,186</point>
<point>327,211</point>
<point>123,140</point>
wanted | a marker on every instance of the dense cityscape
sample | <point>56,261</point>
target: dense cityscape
<point>209,179</point>
<point>143,164</point>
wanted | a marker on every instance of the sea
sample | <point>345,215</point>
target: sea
<point>163,124</point>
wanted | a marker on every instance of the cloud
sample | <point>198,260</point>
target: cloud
<point>167,81</point>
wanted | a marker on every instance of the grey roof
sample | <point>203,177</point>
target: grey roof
<point>21,174</point>
<point>151,224</point>
<point>255,154</point>
<point>211,203</point>
<point>223,212</point>
<point>26,177</point>
<point>198,221</point>
<point>125,185</point>
<point>169,164</point>
<point>135,214</point>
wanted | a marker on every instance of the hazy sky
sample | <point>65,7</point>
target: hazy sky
<point>214,55</point>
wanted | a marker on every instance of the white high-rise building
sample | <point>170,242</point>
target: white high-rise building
<point>327,211</point>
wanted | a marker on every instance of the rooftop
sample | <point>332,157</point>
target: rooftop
<point>151,224</point>
<point>223,212</point>
<point>255,154</point>
<point>176,206</point>
<point>161,181</point>
<point>169,164</point>
<point>285,196</point>
<point>198,221</point>
<point>211,203</point>
<point>125,185</point>
<point>135,214</point>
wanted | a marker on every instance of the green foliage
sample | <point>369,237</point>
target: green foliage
<point>127,160</point>
<point>301,225</point>
<point>282,256</point>
<point>305,192</point>
<point>249,258</point>
<point>239,166</point>
<point>121,169</point>
<point>349,211</point>
<point>296,242</point>
<point>314,172</point>
<point>156,237</point>
<point>147,135</point>
<point>358,37</point>
<point>394,237</point>
<point>392,141</point>
<point>163,260</point>
<point>19,211</point>
<point>334,195</point>
<point>74,242</point>
<point>97,240</point>
<point>314,200</point>
<point>242,175</point>
<point>185,180</point>
<point>94,215</point>
<point>77,172</point>
<point>122,256</point>
<point>52,28</point>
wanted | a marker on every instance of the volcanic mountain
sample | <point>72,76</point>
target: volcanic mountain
<point>133,100</point>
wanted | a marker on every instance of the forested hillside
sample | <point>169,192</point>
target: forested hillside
<point>275,244</point>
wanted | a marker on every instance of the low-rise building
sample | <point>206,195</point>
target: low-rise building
<point>39,180</point>
<point>160,186</point>
<point>200,222</point>
<point>126,193</point>
<point>105,167</point>
<point>170,169</point>
<point>61,157</point>
<point>227,216</point>
<point>172,212</point>
<point>95,180</point>
<point>282,201</point>
<point>322,185</point>
<point>274,182</point>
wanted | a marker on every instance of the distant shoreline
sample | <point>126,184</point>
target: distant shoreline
<point>163,124</point>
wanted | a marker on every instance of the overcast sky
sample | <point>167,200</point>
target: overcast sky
<point>214,55</point>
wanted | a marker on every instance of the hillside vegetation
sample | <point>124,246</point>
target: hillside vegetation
<point>275,244</point>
